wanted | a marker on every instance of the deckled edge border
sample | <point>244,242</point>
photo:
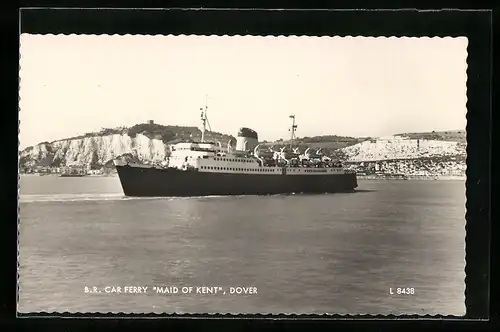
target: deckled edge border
<point>328,316</point>
<point>273,316</point>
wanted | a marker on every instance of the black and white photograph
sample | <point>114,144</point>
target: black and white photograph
<point>196,174</point>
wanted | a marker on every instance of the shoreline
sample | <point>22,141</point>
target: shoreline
<point>58,175</point>
<point>414,177</point>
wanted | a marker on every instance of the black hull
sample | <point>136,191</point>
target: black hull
<point>151,182</point>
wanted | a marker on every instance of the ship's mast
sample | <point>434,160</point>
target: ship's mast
<point>292,129</point>
<point>204,119</point>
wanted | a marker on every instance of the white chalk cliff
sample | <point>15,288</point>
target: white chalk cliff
<point>397,148</point>
<point>97,150</point>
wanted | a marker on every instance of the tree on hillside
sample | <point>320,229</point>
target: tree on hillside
<point>94,163</point>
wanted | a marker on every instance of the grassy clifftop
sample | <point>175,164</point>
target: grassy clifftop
<point>168,133</point>
<point>450,136</point>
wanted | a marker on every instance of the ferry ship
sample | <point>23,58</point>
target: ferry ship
<point>206,168</point>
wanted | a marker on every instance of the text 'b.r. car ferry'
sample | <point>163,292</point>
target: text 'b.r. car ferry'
<point>205,168</point>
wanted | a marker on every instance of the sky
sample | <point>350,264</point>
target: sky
<point>350,86</point>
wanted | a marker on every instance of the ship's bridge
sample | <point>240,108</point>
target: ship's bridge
<point>187,153</point>
<point>194,146</point>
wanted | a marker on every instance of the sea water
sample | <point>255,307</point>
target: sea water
<point>332,253</point>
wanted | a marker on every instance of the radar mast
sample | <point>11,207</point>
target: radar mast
<point>204,119</point>
<point>292,130</point>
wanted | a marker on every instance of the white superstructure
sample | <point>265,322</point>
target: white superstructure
<point>211,157</point>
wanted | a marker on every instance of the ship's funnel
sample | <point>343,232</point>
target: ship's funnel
<point>247,140</point>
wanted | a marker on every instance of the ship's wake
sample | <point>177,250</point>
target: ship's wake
<point>32,198</point>
<point>69,197</point>
<point>102,197</point>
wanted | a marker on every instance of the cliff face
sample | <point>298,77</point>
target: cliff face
<point>145,142</point>
<point>94,151</point>
<point>391,149</point>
